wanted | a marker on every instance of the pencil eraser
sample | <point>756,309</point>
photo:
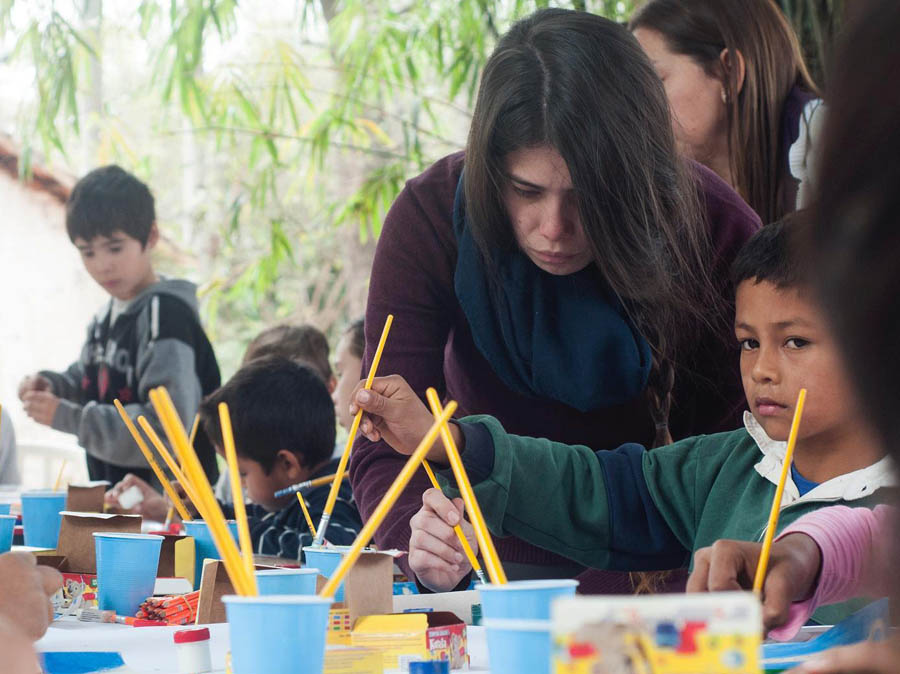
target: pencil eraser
<point>130,497</point>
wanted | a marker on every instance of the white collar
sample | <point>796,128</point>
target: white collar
<point>848,487</point>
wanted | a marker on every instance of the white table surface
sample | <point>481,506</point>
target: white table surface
<point>151,649</point>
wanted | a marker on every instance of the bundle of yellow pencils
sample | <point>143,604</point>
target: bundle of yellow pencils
<point>239,570</point>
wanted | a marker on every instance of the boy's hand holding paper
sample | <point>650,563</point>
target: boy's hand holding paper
<point>40,406</point>
<point>395,414</point>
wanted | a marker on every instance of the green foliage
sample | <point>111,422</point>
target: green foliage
<point>303,129</point>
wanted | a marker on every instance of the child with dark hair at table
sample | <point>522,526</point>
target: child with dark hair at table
<point>631,509</point>
<point>282,418</point>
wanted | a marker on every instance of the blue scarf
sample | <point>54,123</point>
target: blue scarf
<point>560,337</point>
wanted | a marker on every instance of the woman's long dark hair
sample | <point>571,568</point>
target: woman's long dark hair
<point>773,63</point>
<point>581,84</point>
<point>855,241</point>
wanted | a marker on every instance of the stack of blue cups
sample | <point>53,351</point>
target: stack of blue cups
<point>517,618</point>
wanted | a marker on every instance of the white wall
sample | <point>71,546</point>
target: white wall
<point>46,301</point>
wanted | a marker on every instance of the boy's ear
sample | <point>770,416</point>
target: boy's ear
<point>332,384</point>
<point>153,236</point>
<point>290,464</point>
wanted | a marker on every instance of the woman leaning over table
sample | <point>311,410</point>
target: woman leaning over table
<point>566,274</point>
<point>743,102</point>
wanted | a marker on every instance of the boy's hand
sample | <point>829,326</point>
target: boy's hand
<point>395,414</point>
<point>793,570</point>
<point>869,657</point>
<point>25,591</point>
<point>435,553</point>
<point>154,506</point>
<point>33,382</point>
<point>40,406</point>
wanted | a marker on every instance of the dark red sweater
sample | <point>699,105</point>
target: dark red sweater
<point>431,345</point>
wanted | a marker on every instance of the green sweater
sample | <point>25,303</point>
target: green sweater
<point>630,509</point>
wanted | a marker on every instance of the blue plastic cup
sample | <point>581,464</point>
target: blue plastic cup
<point>287,581</point>
<point>517,618</point>
<point>277,633</point>
<point>126,570</point>
<point>4,508</point>
<point>204,546</point>
<point>7,527</point>
<point>326,560</point>
<point>41,518</point>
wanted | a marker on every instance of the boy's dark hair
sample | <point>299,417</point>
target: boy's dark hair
<point>357,333</point>
<point>107,200</point>
<point>274,404</point>
<point>774,254</point>
<point>301,343</point>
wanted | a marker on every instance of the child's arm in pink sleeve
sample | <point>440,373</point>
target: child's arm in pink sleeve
<point>853,561</point>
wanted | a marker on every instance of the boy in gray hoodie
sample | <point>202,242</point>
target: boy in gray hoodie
<point>147,335</point>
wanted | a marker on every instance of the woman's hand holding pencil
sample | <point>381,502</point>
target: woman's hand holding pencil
<point>394,413</point>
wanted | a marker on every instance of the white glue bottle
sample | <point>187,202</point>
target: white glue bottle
<point>192,649</point>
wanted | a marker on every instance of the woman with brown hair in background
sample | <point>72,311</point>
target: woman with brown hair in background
<point>743,102</point>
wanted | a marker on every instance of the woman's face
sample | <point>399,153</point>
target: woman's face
<point>695,99</point>
<point>541,204</point>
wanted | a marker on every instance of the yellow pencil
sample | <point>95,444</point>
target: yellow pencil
<point>59,476</point>
<point>763,564</point>
<point>390,497</point>
<point>485,542</point>
<point>237,494</point>
<point>207,504</point>
<point>312,527</point>
<point>345,456</point>
<point>193,435</point>
<point>160,475</point>
<point>470,554</point>
<point>180,477</point>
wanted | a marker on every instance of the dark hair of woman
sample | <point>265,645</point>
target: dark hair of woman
<point>581,84</point>
<point>856,238</point>
<point>773,65</point>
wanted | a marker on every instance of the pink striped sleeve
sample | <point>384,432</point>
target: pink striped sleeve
<point>854,559</point>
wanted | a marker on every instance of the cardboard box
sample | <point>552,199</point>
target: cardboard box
<point>344,660</point>
<point>367,591</point>
<point>75,548</point>
<point>176,557</point>
<point>408,637</point>
<point>87,497</point>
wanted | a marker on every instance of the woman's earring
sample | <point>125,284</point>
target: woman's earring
<point>724,96</point>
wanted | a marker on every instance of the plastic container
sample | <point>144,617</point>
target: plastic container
<point>327,559</point>
<point>287,581</point>
<point>7,526</point>
<point>204,546</point>
<point>4,508</point>
<point>277,634</point>
<point>126,570</point>
<point>517,618</point>
<point>429,667</point>
<point>41,518</point>
<point>192,650</point>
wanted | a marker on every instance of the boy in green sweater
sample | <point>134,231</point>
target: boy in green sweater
<point>635,510</point>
